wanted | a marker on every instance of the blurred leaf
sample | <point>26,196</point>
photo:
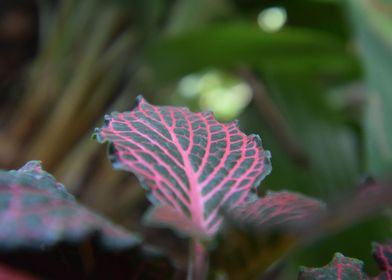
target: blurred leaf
<point>190,164</point>
<point>37,212</point>
<point>327,15</point>
<point>261,232</point>
<point>244,254</point>
<point>325,159</point>
<point>190,14</point>
<point>80,68</point>
<point>248,248</point>
<point>373,29</point>
<point>289,50</point>
<point>275,210</point>
<point>44,231</point>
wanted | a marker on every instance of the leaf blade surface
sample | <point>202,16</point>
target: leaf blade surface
<point>38,212</point>
<point>187,161</point>
<point>340,268</point>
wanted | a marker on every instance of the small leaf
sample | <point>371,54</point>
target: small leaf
<point>276,210</point>
<point>340,268</point>
<point>36,211</point>
<point>262,231</point>
<point>344,268</point>
<point>187,161</point>
<point>270,229</point>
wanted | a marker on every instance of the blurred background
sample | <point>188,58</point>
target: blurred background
<point>312,77</point>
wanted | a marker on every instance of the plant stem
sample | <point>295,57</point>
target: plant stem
<point>198,261</point>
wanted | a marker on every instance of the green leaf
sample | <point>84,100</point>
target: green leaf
<point>290,50</point>
<point>372,22</point>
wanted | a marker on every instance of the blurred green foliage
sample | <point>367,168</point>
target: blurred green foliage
<point>321,88</point>
<point>373,21</point>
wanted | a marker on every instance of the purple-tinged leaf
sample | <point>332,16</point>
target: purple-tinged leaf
<point>187,161</point>
<point>36,211</point>
<point>246,248</point>
<point>352,208</point>
<point>340,268</point>
<point>261,232</point>
<point>383,256</point>
<point>277,210</point>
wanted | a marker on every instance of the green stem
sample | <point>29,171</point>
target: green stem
<point>198,261</point>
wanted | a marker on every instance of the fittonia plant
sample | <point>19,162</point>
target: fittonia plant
<point>193,168</point>
<point>199,172</point>
<point>37,212</point>
<point>200,175</point>
<point>190,164</point>
<point>43,228</point>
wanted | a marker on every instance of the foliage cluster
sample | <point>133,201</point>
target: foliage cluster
<point>312,77</point>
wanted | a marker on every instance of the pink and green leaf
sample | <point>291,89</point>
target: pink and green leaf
<point>259,233</point>
<point>189,163</point>
<point>286,210</point>
<point>344,268</point>
<point>340,268</point>
<point>36,212</point>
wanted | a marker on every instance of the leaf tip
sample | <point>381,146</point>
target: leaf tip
<point>32,166</point>
<point>233,124</point>
<point>338,255</point>
<point>267,166</point>
<point>139,100</point>
<point>256,139</point>
<point>209,115</point>
<point>96,135</point>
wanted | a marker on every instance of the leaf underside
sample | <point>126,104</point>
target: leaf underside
<point>37,212</point>
<point>263,231</point>
<point>344,268</point>
<point>190,164</point>
<point>276,210</point>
